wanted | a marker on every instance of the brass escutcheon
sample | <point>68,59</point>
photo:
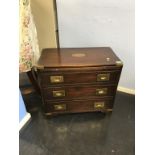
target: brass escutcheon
<point>56,79</point>
<point>60,107</point>
<point>58,93</point>
<point>99,105</point>
<point>101,91</point>
<point>103,77</point>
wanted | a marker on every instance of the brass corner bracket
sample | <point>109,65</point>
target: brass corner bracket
<point>119,63</point>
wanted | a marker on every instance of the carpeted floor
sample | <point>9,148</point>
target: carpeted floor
<point>80,134</point>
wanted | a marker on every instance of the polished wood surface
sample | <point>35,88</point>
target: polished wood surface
<point>78,79</point>
<point>78,91</point>
<point>78,105</point>
<point>74,57</point>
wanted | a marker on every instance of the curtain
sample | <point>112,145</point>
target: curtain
<point>29,48</point>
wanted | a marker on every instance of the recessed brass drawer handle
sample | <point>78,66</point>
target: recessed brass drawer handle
<point>56,79</point>
<point>101,91</point>
<point>99,105</point>
<point>60,107</point>
<point>103,77</point>
<point>59,93</point>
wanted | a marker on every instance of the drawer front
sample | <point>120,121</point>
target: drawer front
<point>56,78</point>
<point>78,92</point>
<point>79,106</point>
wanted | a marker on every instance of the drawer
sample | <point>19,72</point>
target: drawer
<point>83,91</point>
<point>78,106</point>
<point>58,78</point>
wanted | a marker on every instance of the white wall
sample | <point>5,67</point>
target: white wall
<point>88,23</point>
<point>43,13</point>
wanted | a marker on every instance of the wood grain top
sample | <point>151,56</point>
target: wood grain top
<point>77,57</point>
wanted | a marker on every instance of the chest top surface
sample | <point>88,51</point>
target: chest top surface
<point>77,57</point>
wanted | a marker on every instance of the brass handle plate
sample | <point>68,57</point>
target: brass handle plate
<point>59,93</point>
<point>60,107</point>
<point>101,91</point>
<point>56,79</point>
<point>99,105</point>
<point>103,77</point>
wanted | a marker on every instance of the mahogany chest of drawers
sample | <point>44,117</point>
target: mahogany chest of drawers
<point>76,80</point>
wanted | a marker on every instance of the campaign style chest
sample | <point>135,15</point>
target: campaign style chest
<point>74,80</point>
